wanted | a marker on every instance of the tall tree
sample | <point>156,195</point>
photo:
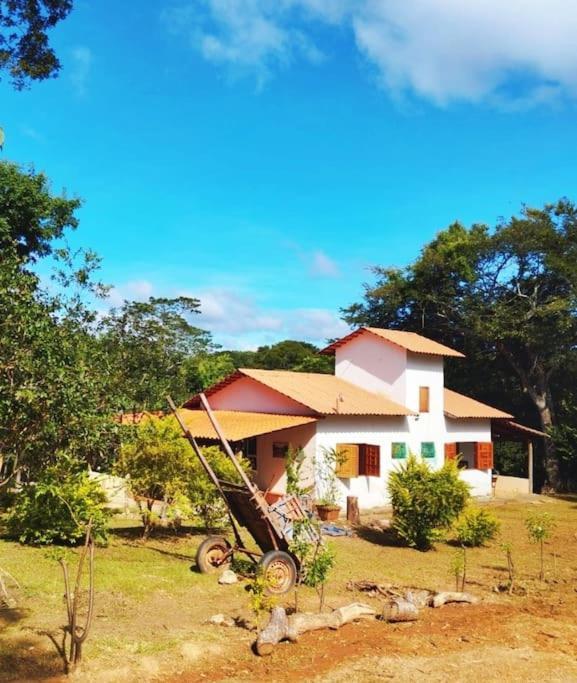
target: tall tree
<point>507,296</point>
<point>24,48</point>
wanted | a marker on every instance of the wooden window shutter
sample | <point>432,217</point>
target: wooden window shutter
<point>423,399</point>
<point>427,449</point>
<point>349,468</point>
<point>484,455</point>
<point>370,460</point>
<point>450,451</point>
<point>399,450</point>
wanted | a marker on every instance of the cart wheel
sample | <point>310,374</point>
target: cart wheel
<point>279,570</point>
<point>211,554</point>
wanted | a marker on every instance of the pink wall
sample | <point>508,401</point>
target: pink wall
<point>373,364</point>
<point>251,396</point>
<point>271,471</point>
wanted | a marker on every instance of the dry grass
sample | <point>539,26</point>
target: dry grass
<point>151,608</point>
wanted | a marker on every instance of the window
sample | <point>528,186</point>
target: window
<point>280,449</point>
<point>248,449</point>
<point>369,460</point>
<point>348,468</point>
<point>398,450</point>
<point>484,455</point>
<point>423,399</point>
<point>427,449</point>
<point>450,451</point>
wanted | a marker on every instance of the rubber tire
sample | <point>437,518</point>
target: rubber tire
<point>203,559</point>
<point>280,572</point>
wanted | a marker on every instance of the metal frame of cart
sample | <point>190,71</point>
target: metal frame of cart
<point>271,526</point>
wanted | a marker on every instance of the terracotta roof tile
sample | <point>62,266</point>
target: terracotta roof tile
<point>238,425</point>
<point>459,406</point>
<point>324,394</point>
<point>413,342</point>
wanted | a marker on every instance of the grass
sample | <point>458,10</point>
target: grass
<point>150,603</point>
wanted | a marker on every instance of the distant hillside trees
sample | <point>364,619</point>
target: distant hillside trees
<point>507,297</point>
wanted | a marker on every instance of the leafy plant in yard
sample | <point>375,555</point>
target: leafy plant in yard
<point>316,559</point>
<point>205,499</point>
<point>157,464</point>
<point>326,467</point>
<point>58,506</point>
<point>261,602</point>
<point>458,568</point>
<point>507,548</point>
<point>540,526</point>
<point>294,463</point>
<point>475,527</point>
<point>425,502</point>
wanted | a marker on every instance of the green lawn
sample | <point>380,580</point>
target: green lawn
<point>151,607</point>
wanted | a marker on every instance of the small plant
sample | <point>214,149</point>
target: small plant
<point>261,602</point>
<point>57,507</point>
<point>458,568</point>
<point>316,559</point>
<point>540,526</point>
<point>475,527</point>
<point>294,464</point>
<point>508,550</point>
<point>326,468</point>
<point>426,502</point>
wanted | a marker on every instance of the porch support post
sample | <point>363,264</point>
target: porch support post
<point>530,464</point>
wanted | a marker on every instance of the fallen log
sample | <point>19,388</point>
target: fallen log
<point>441,599</point>
<point>282,627</point>
<point>399,610</point>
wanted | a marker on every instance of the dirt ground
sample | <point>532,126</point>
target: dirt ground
<point>156,629</point>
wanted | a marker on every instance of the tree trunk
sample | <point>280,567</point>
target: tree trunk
<point>353,515</point>
<point>543,405</point>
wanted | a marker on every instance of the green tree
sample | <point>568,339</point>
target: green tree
<point>151,347</point>
<point>507,297</point>
<point>157,464</point>
<point>24,49</point>
<point>31,216</point>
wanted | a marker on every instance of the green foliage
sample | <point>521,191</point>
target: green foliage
<point>289,354</point>
<point>326,468</point>
<point>59,505</point>
<point>261,602</point>
<point>476,526</point>
<point>157,463</point>
<point>24,49</point>
<point>315,558</point>
<point>540,526</point>
<point>212,368</point>
<point>425,502</point>
<point>457,567</point>
<point>294,463</point>
<point>205,499</point>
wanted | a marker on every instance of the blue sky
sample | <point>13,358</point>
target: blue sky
<point>262,154</point>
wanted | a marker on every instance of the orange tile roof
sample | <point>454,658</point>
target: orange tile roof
<point>459,406</point>
<point>413,342</point>
<point>324,394</point>
<point>238,425</point>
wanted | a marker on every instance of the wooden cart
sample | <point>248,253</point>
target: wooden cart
<point>271,526</point>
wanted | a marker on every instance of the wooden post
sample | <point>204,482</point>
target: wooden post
<point>530,464</point>
<point>353,515</point>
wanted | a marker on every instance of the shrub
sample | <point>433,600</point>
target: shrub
<point>156,462</point>
<point>58,506</point>
<point>476,527</point>
<point>205,499</point>
<point>425,502</point>
<point>540,526</point>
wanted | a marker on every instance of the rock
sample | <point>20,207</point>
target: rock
<point>227,578</point>
<point>221,620</point>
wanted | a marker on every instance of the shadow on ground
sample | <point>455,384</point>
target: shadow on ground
<point>26,659</point>
<point>378,536</point>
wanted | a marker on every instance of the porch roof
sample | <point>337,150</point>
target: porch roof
<point>513,431</point>
<point>238,425</point>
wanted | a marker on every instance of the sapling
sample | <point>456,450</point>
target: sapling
<point>508,550</point>
<point>540,526</point>
<point>261,601</point>
<point>315,558</point>
<point>458,568</point>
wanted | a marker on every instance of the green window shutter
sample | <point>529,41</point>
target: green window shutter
<point>427,449</point>
<point>399,450</point>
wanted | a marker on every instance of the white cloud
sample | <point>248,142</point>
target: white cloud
<point>135,290</point>
<point>514,54</point>
<point>323,266</point>
<point>82,59</point>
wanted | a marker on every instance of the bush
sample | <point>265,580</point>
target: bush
<point>425,502</point>
<point>476,527</point>
<point>58,507</point>
<point>206,501</point>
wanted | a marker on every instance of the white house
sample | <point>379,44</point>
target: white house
<point>387,398</point>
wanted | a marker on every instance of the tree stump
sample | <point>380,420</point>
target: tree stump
<point>353,515</point>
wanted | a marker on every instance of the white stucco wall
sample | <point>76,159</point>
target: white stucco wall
<point>374,365</point>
